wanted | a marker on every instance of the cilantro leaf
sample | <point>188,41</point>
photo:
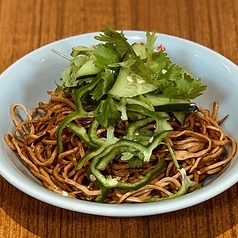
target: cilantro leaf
<point>135,162</point>
<point>106,113</point>
<point>116,38</point>
<point>105,55</point>
<point>177,83</point>
<point>105,83</point>
<point>159,62</point>
<point>150,41</point>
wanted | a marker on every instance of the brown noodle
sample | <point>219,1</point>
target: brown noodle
<point>199,145</point>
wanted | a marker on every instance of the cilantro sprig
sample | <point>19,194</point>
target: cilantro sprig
<point>121,73</point>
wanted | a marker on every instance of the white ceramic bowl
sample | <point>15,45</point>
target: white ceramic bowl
<point>28,79</point>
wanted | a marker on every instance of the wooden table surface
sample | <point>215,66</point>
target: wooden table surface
<point>27,25</point>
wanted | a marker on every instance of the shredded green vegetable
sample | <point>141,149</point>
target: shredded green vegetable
<point>115,81</point>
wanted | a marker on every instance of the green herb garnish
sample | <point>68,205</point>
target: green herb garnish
<point>115,81</point>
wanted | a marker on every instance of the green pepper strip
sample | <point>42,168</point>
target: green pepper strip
<point>79,113</point>
<point>92,133</point>
<point>131,129</point>
<point>98,144</point>
<point>160,117</point>
<point>103,195</point>
<point>87,157</point>
<point>100,161</point>
<point>134,186</point>
<point>72,116</point>
<point>129,145</point>
<point>109,153</point>
<point>147,112</point>
<point>145,180</point>
<point>82,134</point>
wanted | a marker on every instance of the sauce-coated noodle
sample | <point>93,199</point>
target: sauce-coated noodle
<point>199,145</point>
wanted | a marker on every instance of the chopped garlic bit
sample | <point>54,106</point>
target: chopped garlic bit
<point>140,80</point>
<point>92,178</point>
<point>135,79</point>
<point>164,71</point>
<point>130,79</point>
<point>151,139</point>
<point>64,193</point>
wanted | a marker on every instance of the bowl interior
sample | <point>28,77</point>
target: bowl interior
<point>28,80</point>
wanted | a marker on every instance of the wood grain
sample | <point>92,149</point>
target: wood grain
<point>27,25</point>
